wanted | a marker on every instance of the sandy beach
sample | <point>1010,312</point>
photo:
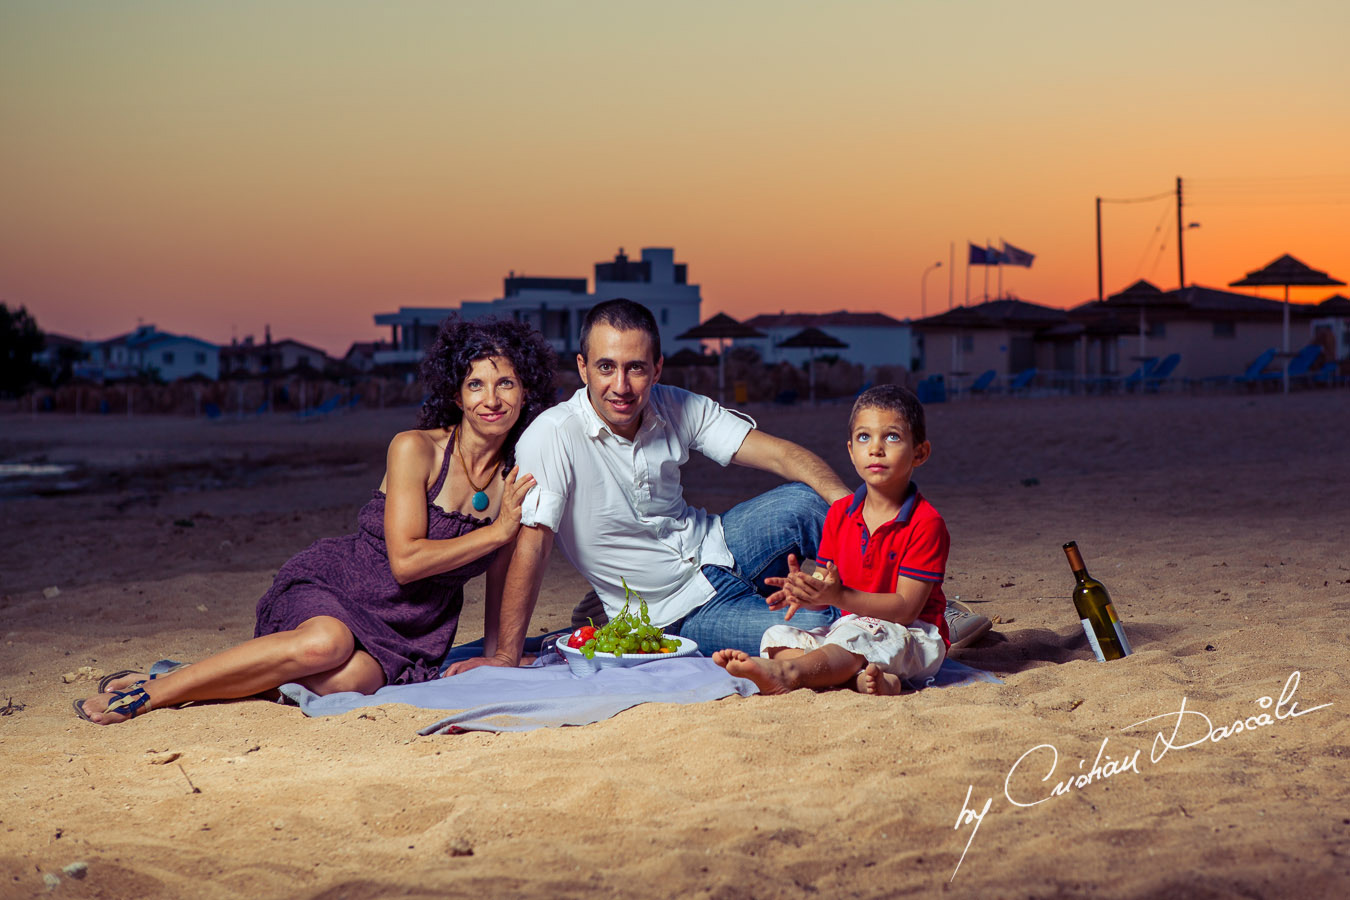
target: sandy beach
<point>1220,523</point>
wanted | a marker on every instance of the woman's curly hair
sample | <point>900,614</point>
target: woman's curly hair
<point>459,345</point>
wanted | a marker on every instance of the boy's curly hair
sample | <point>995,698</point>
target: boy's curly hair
<point>459,345</point>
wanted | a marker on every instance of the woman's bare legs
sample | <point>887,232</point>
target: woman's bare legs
<point>321,654</point>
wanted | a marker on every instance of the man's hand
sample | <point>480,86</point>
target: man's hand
<point>465,665</point>
<point>802,591</point>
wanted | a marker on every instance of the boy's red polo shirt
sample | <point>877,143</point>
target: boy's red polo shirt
<point>913,544</point>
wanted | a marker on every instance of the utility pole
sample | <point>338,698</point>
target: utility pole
<point>1181,252</point>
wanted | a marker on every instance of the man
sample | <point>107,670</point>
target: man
<point>607,467</point>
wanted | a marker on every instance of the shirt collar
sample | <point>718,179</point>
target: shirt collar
<point>594,424</point>
<point>906,508</point>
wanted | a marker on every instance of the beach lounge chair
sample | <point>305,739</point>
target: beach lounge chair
<point>1300,367</point>
<point>321,410</point>
<point>981,385</point>
<point>932,389</point>
<point>1161,372</point>
<point>1256,372</point>
<point>1326,374</point>
<point>1022,380</point>
<point>1139,375</point>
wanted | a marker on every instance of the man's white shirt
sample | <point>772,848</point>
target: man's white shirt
<point>617,506</point>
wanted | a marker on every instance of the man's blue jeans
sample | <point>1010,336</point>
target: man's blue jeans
<point>760,534</point>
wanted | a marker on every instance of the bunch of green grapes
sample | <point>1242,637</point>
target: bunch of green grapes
<point>629,633</point>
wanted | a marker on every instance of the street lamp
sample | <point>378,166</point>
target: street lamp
<point>923,288</point>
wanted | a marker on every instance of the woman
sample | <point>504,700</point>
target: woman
<point>381,606</point>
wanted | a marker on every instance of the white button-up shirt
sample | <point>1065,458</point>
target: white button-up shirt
<point>617,506</point>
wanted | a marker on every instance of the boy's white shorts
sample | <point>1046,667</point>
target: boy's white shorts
<point>906,651</point>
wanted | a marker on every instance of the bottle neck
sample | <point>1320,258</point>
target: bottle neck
<point>1076,564</point>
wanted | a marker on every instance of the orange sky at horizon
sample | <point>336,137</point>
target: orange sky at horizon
<point>214,168</point>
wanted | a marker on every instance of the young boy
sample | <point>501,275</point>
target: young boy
<point>884,552</point>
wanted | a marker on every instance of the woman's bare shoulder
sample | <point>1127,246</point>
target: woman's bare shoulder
<point>417,446</point>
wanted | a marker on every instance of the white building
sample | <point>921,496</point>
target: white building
<point>556,306</point>
<point>150,351</point>
<point>874,339</point>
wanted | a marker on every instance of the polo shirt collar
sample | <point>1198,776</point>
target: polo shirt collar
<point>906,508</point>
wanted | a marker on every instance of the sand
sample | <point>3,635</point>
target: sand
<point>1219,523</point>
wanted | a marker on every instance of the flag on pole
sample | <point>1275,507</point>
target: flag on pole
<point>984,256</point>
<point>1014,256</point>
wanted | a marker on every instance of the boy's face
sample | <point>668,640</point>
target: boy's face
<point>883,452</point>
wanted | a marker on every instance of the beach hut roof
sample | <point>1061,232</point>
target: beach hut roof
<point>1143,294</point>
<point>1285,271</point>
<point>687,357</point>
<point>838,319</point>
<point>719,326</point>
<point>813,337</point>
<point>1335,305</point>
<point>996,314</point>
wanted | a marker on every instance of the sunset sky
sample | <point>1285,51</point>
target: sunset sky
<point>215,167</point>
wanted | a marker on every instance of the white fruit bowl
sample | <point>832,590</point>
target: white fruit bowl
<point>580,665</point>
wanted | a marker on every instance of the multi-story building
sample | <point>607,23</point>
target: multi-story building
<point>555,306</point>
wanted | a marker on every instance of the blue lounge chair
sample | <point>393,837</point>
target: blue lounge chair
<point>1022,380</point>
<point>1300,367</point>
<point>1326,374</point>
<point>981,385</point>
<point>1161,372</point>
<point>1257,370</point>
<point>1136,378</point>
<point>321,410</point>
<point>932,389</point>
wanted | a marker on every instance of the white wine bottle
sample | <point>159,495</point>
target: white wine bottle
<point>1100,622</point>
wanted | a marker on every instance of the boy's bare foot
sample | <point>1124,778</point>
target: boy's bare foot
<point>769,676</point>
<point>872,680</point>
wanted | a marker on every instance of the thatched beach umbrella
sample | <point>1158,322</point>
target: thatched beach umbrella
<point>1142,296</point>
<point>685,359</point>
<point>812,339</point>
<point>720,328</point>
<point>1286,271</point>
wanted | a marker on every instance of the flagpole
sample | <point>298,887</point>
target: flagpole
<point>951,267</point>
<point>986,272</point>
<point>967,300</point>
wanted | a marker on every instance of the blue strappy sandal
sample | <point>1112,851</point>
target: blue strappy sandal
<point>130,703</point>
<point>109,679</point>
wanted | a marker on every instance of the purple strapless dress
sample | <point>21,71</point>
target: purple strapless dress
<point>407,627</point>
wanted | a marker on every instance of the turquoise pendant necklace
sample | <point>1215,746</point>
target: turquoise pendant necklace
<point>480,497</point>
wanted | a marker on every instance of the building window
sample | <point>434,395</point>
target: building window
<point>968,343</point>
<point>168,357</point>
<point>665,317</point>
<point>199,358</point>
<point>1157,329</point>
<point>1225,329</point>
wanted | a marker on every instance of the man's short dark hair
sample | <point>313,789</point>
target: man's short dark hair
<point>896,399</point>
<point>621,314</point>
